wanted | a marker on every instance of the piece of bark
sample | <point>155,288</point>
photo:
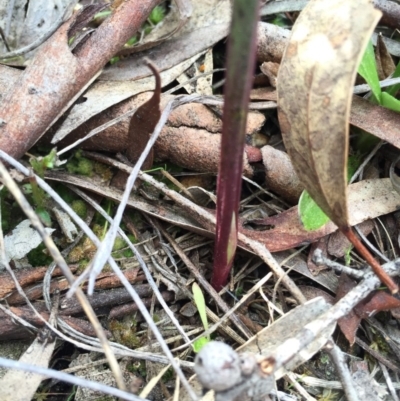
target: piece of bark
<point>11,330</point>
<point>280,176</point>
<point>26,277</point>
<point>391,12</point>
<point>103,299</point>
<point>103,281</point>
<point>115,138</point>
<point>127,309</point>
<point>55,76</point>
<point>195,149</point>
<point>272,41</point>
<point>264,93</point>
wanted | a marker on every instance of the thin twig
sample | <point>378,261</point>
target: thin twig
<point>78,381</point>
<point>377,355</point>
<point>342,370</point>
<point>376,267</point>
<point>389,382</point>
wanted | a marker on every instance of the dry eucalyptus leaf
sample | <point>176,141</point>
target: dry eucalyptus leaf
<point>314,96</point>
<point>384,62</point>
<point>27,24</point>
<point>367,199</point>
<point>104,94</point>
<point>143,123</point>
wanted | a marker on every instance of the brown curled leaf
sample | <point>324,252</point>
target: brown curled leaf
<point>143,123</point>
<point>141,126</point>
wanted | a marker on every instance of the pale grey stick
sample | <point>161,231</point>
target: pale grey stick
<point>65,377</point>
<point>342,370</point>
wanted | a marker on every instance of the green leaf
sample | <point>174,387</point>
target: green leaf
<point>311,215</point>
<point>44,216</point>
<point>41,164</point>
<point>367,69</point>
<point>390,102</point>
<point>157,15</point>
<point>200,343</point>
<point>200,304</point>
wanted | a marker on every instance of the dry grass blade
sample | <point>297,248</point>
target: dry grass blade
<point>314,91</point>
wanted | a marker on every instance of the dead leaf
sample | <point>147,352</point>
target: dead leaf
<point>380,301</point>
<point>377,301</point>
<point>143,123</point>
<point>349,323</point>
<point>314,92</point>
<point>39,353</point>
<point>377,120</point>
<point>384,62</point>
<point>367,199</point>
<point>178,16</point>
<point>314,97</point>
<point>22,240</point>
<point>27,25</point>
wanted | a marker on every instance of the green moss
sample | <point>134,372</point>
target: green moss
<point>131,41</point>
<point>157,15</point>
<point>105,172</point>
<point>138,367</point>
<point>39,257</point>
<point>119,243</point>
<point>80,165</point>
<point>114,60</point>
<point>79,207</point>
<point>125,333</point>
<point>65,193</point>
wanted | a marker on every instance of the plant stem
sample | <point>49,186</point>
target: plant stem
<point>239,79</point>
<point>364,252</point>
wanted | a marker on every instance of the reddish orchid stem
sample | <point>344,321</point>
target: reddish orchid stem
<point>239,79</point>
<point>376,267</point>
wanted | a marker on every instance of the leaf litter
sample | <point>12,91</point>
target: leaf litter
<point>267,223</point>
